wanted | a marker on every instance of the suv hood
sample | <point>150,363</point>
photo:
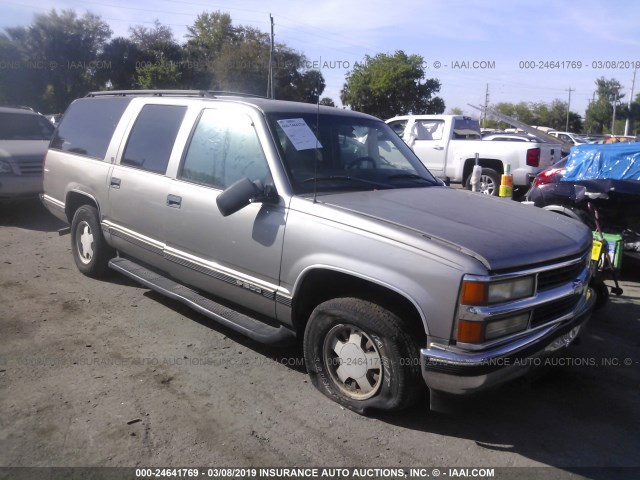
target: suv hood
<point>501,233</point>
<point>23,150</point>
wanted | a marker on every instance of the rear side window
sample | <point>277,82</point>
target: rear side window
<point>152,137</point>
<point>88,125</point>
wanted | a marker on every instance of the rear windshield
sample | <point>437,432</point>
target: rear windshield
<point>88,124</point>
<point>24,126</point>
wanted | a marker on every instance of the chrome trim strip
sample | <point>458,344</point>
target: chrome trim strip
<point>285,300</point>
<point>133,237</point>
<point>219,269</point>
<point>218,275</point>
<point>53,201</point>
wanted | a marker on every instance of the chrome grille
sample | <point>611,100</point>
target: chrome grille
<point>554,278</point>
<point>553,310</point>
<point>30,168</point>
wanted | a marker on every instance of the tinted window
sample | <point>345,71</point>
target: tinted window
<point>152,137</point>
<point>21,126</point>
<point>88,125</point>
<point>223,149</point>
<point>466,129</point>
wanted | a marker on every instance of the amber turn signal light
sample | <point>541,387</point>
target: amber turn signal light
<point>474,293</point>
<point>470,332</point>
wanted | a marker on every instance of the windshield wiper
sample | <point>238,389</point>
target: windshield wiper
<point>408,176</point>
<point>329,178</point>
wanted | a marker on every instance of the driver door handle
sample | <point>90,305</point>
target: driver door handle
<point>438,147</point>
<point>174,201</point>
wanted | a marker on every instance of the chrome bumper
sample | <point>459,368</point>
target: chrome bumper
<point>20,185</point>
<point>461,372</point>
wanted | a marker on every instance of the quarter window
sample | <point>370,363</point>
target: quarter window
<point>88,125</point>
<point>224,148</point>
<point>152,137</point>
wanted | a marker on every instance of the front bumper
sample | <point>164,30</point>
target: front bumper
<point>20,185</point>
<point>457,372</point>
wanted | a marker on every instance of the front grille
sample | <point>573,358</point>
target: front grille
<point>555,278</point>
<point>30,168</point>
<point>553,310</point>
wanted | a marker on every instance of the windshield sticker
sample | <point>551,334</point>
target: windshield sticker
<point>299,133</point>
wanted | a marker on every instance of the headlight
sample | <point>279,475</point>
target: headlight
<point>478,293</point>
<point>5,167</point>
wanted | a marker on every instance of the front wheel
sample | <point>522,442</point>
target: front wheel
<point>489,182</point>
<point>358,354</point>
<point>90,250</point>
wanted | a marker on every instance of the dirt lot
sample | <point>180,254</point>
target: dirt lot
<point>105,373</point>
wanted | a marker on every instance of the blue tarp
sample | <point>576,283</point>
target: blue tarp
<point>616,161</point>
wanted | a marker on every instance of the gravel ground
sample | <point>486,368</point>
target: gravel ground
<point>106,373</point>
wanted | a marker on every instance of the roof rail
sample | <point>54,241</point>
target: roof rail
<point>19,107</point>
<point>221,93</point>
<point>172,93</point>
<point>153,93</point>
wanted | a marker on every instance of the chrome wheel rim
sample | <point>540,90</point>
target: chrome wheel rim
<point>353,361</point>
<point>487,185</point>
<point>84,242</point>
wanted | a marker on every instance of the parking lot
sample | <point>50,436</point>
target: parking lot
<point>106,373</point>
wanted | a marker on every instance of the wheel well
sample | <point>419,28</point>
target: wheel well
<point>74,201</point>
<point>321,285</point>
<point>484,162</point>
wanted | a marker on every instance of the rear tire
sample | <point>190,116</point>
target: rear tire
<point>90,250</point>
<point>489,182</point>
<point>360,355</point>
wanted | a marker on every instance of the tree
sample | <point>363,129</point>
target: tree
<point>455,111</point>
<point>600,111</point>
<point>553,115</point>
<point>388,85</point>
<point>147,38</point>
<point>59,52</point>
<point>327,101</point>
<point>160,58</point>
<point>205,40</point>
<point>243,66</point>
<point>122,56</point>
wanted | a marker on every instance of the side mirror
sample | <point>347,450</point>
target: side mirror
<point>241,193</point>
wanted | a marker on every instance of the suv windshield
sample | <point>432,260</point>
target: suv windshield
<point>24,126</point>
<point>345,153</point>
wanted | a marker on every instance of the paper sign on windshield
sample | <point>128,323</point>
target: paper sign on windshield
<point>299,133</point>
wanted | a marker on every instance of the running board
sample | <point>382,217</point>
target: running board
<point>241,323</point>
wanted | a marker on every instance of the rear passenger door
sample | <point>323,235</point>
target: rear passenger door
<point>138,183</point>
<point>235,257</point>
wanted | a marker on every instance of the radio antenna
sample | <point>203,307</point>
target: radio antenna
<point>317,152</point>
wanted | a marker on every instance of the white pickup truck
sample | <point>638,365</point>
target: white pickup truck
<point>447,145</point>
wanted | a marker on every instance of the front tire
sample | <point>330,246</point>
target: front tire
<point>360,355</point>
<point>90,250</point>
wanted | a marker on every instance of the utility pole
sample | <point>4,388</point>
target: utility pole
<point>566,129</point>
<point>633,84</point>
<point>486,105</point>
<point>613,121</point>
<point>270,87</point>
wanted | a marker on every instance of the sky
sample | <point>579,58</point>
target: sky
<point>518,50</point>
